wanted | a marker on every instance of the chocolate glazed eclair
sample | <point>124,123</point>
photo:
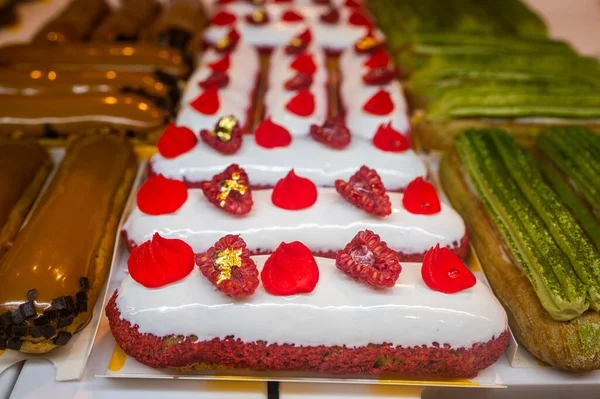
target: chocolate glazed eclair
<point>86,113</point>
<point>125,24</point>
<point>47,82</point>
<point>139,57</point>
<point>53,274</point>
<point>24,166</point>
<point>178,24</point>
<point>74,23</point>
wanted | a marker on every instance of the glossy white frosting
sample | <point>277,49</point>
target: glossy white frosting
<point>277,96</point>
<point>323,167</point>
<point>328,225</point>
<point>339,311</point>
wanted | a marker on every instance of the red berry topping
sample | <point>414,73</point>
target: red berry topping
<point>299,81</point>
<point>271,135</point>
<point>368,44</point>
<point>380,103</point>
<point>304,63</point>
<point>389,139</point>
<point>302,104</point>
<point>160,261</point>
<point>223,18</point>
<point>292,16</point>
<point>366,191</point>
<point>207,102</point>
<point>357,18</point>
<point>228,42</point>
<point>294,193</point>
<point>333,133</point>
<point>322,2</point>
<point>218,79</point>
<point>258,17</point>
<point>352,4</point>
<point>221,64</point>
<point>369,260</point>
<point>159,195</point>
<point>290,270</point>
<point>176,140</point>
<point>226,137</point>
<point>229,190</point>
<point>332,16</point>
<point>421,198</point>
<point>380,75</point>
<point>283,1</point>
<point>228,266</point>
<point>299,43</point>
<point>443,271</point>
<point>380,58</point>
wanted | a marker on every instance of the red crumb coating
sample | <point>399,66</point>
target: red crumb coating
<point>437,360</point>
<point>461,249</point>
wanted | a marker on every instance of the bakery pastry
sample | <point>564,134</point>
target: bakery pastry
<point>74,23</point>
<point>335,326</point>
<point>200,223</point>
<point>24,167</point>
<point>541,265</point>
<point>54,272</point>
<point>158,87</point>
<point>124,57</point>
<point>66,114</point>
<point>126,23</point>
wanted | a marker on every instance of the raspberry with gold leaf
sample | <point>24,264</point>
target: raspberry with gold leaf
<point>228,266</point>
<point>366,191</point>
<point>369,260</point>
<point>229,191</point>
<point>226,137</point>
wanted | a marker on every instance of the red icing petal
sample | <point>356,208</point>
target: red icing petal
<point>357,18</point>
<point>369,260</point>
<point>389,139</point>
<point>223,18</point>
<point>380,58</point>
<point>292,16</point>
<point>379,104</point>
<point>220,65</point>
<point>304,63</point>
<point>271,135</point>
<point>299,81</point>
<point>421,198</point>
<point>218,79</point>
<point>332,16</point>
<point>352,4</point>
<point>302,104</point>
<point>443,271</point>
<point>228,266</point>
<point>159,195</point>
<point>294,193</point>
<point>290,270</point>
<point>230,191</point>
<point>176,140</point>
<point>160,261</point>
<point>208,102</point>
<point>366,191</point>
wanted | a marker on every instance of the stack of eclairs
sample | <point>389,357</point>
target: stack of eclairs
<point>287,223</point>
<point>92,67</point>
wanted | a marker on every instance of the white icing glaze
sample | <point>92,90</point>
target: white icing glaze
<point>328,225</point>
<point>339,311</point>
<point>266,166</point>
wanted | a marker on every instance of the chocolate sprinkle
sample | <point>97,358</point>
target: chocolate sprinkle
<point>41,321</point>
<point>83,306</point>
<point>84,283</point>
<point>81,296</point>
<point>28,309</point>
<point>6,319</point>
<point>48,332</point>
<point>64,313</point>
<point>2,344</point>
<point>60,303</point>
<point>70,303</point>
<point>18,316</point>
<point>19,331</point>
<point>31,294</point>
<point>14,344</point>
<point>62,338</point>
<point>35,332</point>
<point>51,314</point>
<point>64,322</point>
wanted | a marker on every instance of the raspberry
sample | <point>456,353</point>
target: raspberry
<point>380,75</point>
<point>333,133</point>
<point>366,191</point>
<point>258,17</point>
<point>331,16</point>
<point>228,266</point>
<point>369,260</point>
<point>301,80</point>
<point>229,190</point>
<point>226,137</point>
<point>217,78</point>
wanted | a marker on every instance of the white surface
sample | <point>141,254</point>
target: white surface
<point>8,378</point>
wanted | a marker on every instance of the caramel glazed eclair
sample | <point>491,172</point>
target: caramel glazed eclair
<point>160,88</point>
<point>52,275</point>
<point>24,167</point>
